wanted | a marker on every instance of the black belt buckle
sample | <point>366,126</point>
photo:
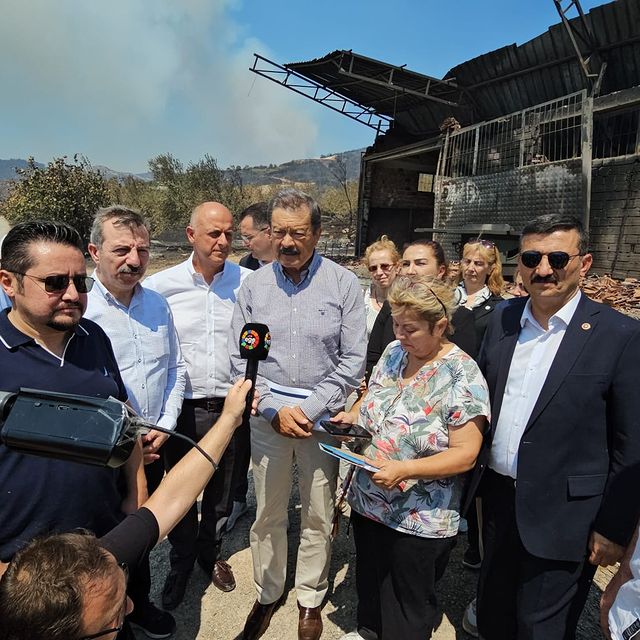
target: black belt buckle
<point>212,406</point>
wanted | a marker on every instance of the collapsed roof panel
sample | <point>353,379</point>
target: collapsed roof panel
<point>496,83</point>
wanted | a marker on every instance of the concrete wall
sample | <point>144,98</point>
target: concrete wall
<point>615,216</point>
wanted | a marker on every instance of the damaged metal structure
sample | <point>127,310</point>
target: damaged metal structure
<point>552,125</point>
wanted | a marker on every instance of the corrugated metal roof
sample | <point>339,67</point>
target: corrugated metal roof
<point>493,84</point>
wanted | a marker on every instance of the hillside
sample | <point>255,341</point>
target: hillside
<point>315,170</point>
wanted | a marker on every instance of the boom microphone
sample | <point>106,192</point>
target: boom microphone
<point>255,341</point>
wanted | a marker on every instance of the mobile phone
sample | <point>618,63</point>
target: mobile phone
<point>346,430</point>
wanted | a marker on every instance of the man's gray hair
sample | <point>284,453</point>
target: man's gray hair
<point>292,200</point>
<point>121,216</point>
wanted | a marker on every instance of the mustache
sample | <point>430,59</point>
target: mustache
<point>127,269</point>
<point>289,251</point>
<point>544,279</point>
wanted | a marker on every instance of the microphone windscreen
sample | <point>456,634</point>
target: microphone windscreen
<point>255,341</point>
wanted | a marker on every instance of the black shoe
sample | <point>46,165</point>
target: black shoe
<point>152,621</point>
<point>174,587</point>
<point>471,559</point>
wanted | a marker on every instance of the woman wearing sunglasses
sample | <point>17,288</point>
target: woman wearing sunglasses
<point>381,259</point>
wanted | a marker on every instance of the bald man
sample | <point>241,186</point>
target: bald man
<point>201,292</point>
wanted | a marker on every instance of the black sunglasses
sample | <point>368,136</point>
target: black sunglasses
<point>557,259</point>
<point>60,282</point>
<point>118,629</point>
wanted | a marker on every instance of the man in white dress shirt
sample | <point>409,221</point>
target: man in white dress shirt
<point>202,293</point>
<point>140,326</point>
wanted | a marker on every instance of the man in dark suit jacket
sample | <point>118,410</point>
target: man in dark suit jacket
<point>560,466</point>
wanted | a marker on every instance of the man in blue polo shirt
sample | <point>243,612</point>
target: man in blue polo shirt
<point>45,344</point>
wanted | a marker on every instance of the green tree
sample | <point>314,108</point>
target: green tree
<point>178,189</point>
<point>68,192</point>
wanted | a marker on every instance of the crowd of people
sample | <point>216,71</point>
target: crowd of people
<point>515,416</point>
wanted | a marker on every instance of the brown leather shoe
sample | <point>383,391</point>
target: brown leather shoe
<point>222,576</point>
<point>309,623</point>
<point>258,620</point>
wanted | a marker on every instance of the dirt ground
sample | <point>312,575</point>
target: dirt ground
<point>207,613</point>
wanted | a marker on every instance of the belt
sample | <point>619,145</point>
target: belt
<point>210,404</point>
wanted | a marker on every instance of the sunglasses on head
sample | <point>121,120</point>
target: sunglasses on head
<point>485,243</point>
<point>383,267</point>
<point>556,259</point>
<point>60,282</point>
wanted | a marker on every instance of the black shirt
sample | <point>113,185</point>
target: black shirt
<point>39,496</point>
<point>132,540</point>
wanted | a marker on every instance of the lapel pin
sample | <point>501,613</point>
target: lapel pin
<point>586,326</point>
<point>488,307</point>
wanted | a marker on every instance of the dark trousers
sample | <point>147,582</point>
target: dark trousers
<point>396,576</point>
<point>191,540</point>
<point>243,453</point>
<point>139,584</point>
<point>521,596</point>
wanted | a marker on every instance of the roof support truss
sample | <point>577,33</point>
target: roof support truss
<point>320,94</point>
<point>582,38</point>
<point>387,80</point>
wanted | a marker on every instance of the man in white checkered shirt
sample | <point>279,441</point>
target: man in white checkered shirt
<point>315,311</point>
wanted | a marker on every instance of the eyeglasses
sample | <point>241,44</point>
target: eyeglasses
<point>383,267</point>
<point>557,259</point>
<point>250,238</point>
<point>60,282</point>
<point>298,234</point>
<point>118,629</point>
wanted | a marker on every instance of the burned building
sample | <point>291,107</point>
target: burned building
<point>552,125</point>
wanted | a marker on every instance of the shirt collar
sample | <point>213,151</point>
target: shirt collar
<point>564,314</point>
<point>305,273</point>
<point>107,295</point>
<point>12,337</point>
<point>198,277</point>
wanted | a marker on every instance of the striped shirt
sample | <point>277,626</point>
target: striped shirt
<point>318,334</point>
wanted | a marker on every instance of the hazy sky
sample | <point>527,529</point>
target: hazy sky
<point>124,80</point>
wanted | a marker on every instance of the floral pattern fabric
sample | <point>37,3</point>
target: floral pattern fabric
<point>410,420</point>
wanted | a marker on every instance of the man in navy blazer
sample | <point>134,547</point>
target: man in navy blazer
<point>559,472</point>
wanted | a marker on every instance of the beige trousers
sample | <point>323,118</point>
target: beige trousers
<point>272,458</point>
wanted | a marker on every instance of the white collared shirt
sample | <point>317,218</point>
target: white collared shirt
<point>146,347</point>
<point>202,314</point>
<point>533,356</point>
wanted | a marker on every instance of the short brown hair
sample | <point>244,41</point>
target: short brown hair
<point>43,590</point>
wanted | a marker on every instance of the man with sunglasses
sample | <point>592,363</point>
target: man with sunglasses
<point>46,344</point>
<point>560,465</point>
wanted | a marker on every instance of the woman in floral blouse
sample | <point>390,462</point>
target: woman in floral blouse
<point>426,409</point>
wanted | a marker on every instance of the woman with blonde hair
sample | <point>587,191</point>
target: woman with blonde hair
<point>381,259</point>
<point>480,282</point>
<point>425,408</point>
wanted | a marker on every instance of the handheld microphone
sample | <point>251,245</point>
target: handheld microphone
<point>255,341</point>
